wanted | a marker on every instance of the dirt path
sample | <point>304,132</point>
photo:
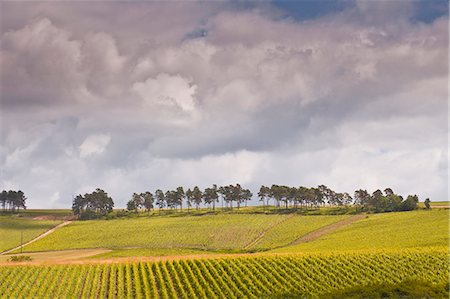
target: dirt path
<point>38,237</point>
<point>326,230</point>
<point>262,234</point>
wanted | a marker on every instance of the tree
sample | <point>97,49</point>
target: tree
<point>148,200</point>
<point>210,196</point>
<point>12,200</point>
<point>197,196</point>
<point>160,199</point>
<point>246,195</point>
<point>377,201</point>
<point>362,198</point>
<point>410,203</point>
<point>189,198</point>
<point>214,196</point>
<point>135,203</point>
<point>131,206</point>
<point>264,195</point>
<point>92,205</point>
<point>427,204</point>
<point>393,201</point>
<point>179,197</point>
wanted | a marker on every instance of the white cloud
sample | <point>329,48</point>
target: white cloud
<point>94,145</point>
<point>166,90</point>
<point>336,100</point>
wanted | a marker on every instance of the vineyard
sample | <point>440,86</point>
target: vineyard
<point>249,277</point>
<point>385,230</point>
<point>12,228</point>
<point>209,232</point>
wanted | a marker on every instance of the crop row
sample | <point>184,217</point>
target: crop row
<point>242,277</point>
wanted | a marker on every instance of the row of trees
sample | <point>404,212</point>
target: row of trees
<point>174,199</point>
<point>302,196</point>
<point>98,203</point>
<point>12,201</point>
<point>322,195</point>
<point>92,205</point>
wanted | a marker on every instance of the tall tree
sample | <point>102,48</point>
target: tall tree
<point>180,195</point>
<point>189,198</point>
<point>197,196</point>
<point>264,195</point>
<point>160,199</point>
<point>148,200</point>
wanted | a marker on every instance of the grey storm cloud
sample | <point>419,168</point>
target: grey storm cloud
<point>137,96</point>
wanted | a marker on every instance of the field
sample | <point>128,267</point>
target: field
<point>385,231</point>
<point>12,227</point>
<point>234,232</point>
<point>234,255</point>
<point>250,277</point>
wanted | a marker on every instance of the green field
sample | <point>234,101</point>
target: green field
<point>385,231</point>
<point>404,254</point>
<point>208,232</point>
<point>249,277</point>
<point>12,227</point>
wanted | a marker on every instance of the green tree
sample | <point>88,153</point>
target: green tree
<point>160,199</point>
<point>427,204</point>
<point>410,203</point>
<point>148,200</point>
<point>92,205</point>
<point>197,196</point>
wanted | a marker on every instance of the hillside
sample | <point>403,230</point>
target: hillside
<point>233,232</point>
<point>384,231</point>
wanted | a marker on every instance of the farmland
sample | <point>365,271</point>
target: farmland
<point>249,277</point>
<point>12,227</point>
<point>236,255</point>
<point>384,231</point>
<point>209,232</point>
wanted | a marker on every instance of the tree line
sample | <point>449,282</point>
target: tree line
<point>12,201</point>
<point>303,197</point>
<point>98,203</point>
<point>174,199</point>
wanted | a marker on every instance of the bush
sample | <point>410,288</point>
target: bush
<point>20,258</point>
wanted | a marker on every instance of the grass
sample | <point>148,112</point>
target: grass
<point>383,231</point>
<point>223,232</point>
<point>11,228</point>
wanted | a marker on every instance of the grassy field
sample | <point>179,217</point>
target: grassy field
<point>249,277</point>
<point>209,232</point>
<point>11,228</point>
<point>385,231</point>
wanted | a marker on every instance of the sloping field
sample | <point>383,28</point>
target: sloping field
<point>384,231</point>
<point>212,232</point>
<point>11,229</point>
<point>250,277</point>
<point>293,228</point>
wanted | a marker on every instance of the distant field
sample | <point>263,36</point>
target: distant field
<point>302,276</point>
<point>211,232</point>
<point>11,228</point>
<point>388,230</point>
<point>48,213</point>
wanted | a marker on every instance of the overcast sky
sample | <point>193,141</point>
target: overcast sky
<point>135,96</point>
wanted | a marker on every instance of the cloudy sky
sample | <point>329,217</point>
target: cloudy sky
<point>134,96</point>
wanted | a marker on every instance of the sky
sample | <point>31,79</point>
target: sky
<point>136,96</point>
